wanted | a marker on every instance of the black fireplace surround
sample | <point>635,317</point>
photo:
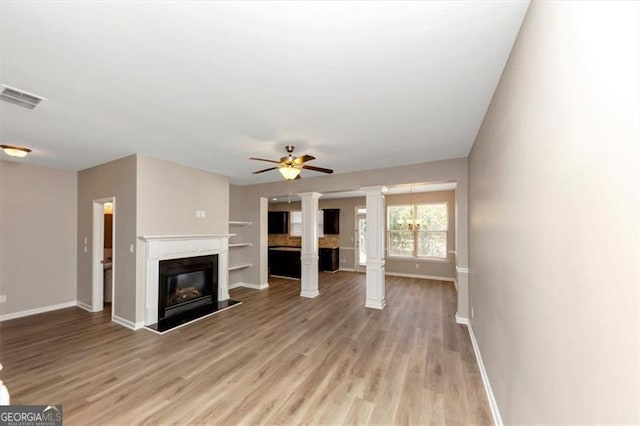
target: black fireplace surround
<point>187,284</point>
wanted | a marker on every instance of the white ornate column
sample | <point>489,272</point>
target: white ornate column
<point>375,246</point>
<point>309,254</point>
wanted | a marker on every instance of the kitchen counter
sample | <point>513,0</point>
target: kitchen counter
<point>285,260</point>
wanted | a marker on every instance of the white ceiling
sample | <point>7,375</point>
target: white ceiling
<point>359,85</point>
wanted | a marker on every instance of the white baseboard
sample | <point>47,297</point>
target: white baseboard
<point>126,323</point>
<point>35,311</point>
<point>84,306</point>
<point>375,305</point>
<point>347,269</point>
<point>425,277</point>
<point>493,405</point>
<point>310,294</point>
<point>286,278</point>
<point>249,285</point>
<point>462,320</point>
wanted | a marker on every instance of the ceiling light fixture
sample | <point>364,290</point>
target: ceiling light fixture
<point>289,172</point>
<point>413,224</point>
<point>15,151</point>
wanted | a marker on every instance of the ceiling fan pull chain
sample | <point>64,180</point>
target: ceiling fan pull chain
<point>290,190</point>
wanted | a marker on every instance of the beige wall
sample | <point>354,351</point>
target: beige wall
<point>434,172</point>
<point>554,173</point>
<point>168,196</point>
<point>118,179</point>
<point>37,236</point>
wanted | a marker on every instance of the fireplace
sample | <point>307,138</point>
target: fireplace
<point>186,284</point>
<point>186,279</point>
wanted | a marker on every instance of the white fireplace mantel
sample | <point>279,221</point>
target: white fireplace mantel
<point>164,247</point>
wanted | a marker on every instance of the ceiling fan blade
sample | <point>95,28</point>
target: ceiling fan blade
<point>264,159</point>
<point>304,159</point>
<point>265,170</point>
<point>318,169</point>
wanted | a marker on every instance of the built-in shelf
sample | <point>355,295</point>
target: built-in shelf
<point>240,245</point>
<point>236,267</point>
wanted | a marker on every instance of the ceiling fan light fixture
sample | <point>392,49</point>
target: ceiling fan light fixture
<point>15,151</point>
<point>289,172</point>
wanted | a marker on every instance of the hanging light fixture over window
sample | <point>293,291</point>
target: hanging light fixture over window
<point>289,172</point>
<point>15,151</point>
<point>413,224</point>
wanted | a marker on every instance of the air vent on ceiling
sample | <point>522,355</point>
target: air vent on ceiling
<point>20,97</point>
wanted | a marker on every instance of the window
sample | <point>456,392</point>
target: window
<point>296,224</point>
<point>418,230</point>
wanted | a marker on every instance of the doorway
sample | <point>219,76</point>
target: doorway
<point>360,258</point>
<point>103,268</point>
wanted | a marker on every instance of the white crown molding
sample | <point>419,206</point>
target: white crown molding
<point>35,311</point>
<point>375,189</point>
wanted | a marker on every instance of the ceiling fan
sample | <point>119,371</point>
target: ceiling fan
<point>290,166</point>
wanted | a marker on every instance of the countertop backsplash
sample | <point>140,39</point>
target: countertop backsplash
<point>328,241</point>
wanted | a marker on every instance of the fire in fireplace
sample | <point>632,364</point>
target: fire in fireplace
<point>186,284</point>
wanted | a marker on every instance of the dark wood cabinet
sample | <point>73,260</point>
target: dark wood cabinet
<point>331,221</point>
<point>329,259</point>
<point>278,223</point>
<point>284,262</point>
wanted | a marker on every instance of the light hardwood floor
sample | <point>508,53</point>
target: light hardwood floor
<point>277,358</point>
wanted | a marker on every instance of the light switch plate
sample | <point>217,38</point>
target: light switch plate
<point>3,298</point>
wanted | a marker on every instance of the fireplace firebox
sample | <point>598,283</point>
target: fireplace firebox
<point>187,284</point>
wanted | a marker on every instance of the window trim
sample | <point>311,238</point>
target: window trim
<point>415,256</point>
